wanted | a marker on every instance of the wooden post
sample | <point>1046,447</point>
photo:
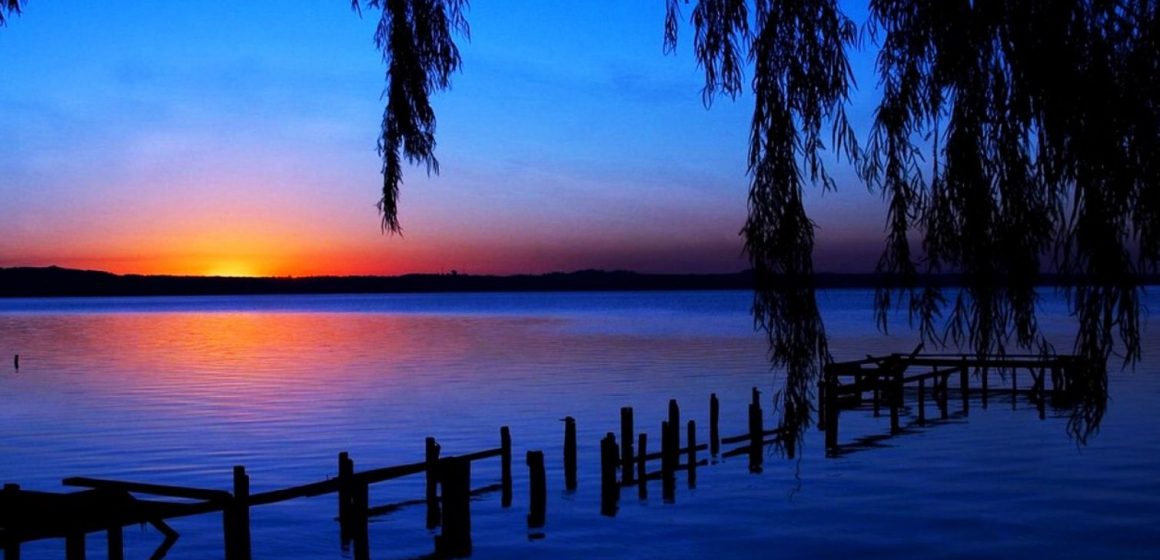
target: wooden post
<point>116,543</point>
<point>538,489</point>
<point>345,473</point>
<point>12,546</point>
<point>626,431</point>
<point>675,425</point>
<point>505,457</point>
<point>965,386</point>
<point>609,488</point>
<point>74,546</point>
<point>922,402</point>
<point>877,396</point>
<point>454,474</point>
<point>714,432</point>
<point>237,518</point>
<point>895,402</point>
<point>943,396</point>
<point>359,510</point>
<point>642,466</point>
<point>755,441</point>
<point>831,411</point>
<point>431,458</point>
<point>986,375</point>
<point>691,437</point>
<point>569,453</point>
<point>668,461</point>
<point>641,463</point>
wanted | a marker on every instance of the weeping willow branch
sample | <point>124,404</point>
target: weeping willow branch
<point>8,8</point>
<point>801,79</point>
<point>416,39</point>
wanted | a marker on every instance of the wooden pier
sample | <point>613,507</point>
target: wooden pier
<point>886,382</point>
<point>873,383</point>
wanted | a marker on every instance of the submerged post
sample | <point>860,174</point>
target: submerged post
<point>345,491</point>
<point>609,488</point>
<point>454,474</point>
<point>626,431</point>
<point>674,424</point>
<point>922,402</point>
<point>569,453</point>
<point>831,412</point>
<point>755,444</point>
<point>641,463</point>
<point>237,518</point>
<point>668,462</point>
<point>692,439</point>
<point>505,457</point>
<point>115,539</point>
<point>965,385</point>
<point>538,489</point>
<point>714,432</point>
<point>431,456</point>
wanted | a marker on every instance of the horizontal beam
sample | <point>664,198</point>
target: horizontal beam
<point>153,489</point>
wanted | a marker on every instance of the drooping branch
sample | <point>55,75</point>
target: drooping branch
<point>416,38</point>
<point>8,8</point>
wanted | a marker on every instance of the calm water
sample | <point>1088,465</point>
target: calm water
<point>178,390</point>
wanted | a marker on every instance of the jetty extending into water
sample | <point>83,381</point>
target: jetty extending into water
<point>896,382</point>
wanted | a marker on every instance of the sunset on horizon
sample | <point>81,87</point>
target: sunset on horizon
<point>239,139</point>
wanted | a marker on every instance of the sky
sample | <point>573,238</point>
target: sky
<point>239,138</point>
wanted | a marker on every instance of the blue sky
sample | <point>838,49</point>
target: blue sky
<point>239,138</point>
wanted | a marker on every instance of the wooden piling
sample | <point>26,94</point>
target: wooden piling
<point>831,412</point>
<point>16,361</point>
<point>691,438</point>
<point>641,463</point>
<point>359,532</point>
<point>895,402</point>
<point>431,458</point>
<point>756,432</point>
<point>626,456</point>
<point>237,518</point>
<point>538,489</point>
<point>609,488</point>
<point>569,453</point>
<point>12,546</point>
<point>74,546</point>
<point>505,457</point>
<point>714,433</point>
<point>922,402</point>
<point>345,474</point>
<point>115,543</point>
<point>675,424</point>
<point>454,474</point>
<point>668,461</point>
<point>986,374</point>
<point>965,385</point>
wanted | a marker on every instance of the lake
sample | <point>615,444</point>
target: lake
<point>179,390</point>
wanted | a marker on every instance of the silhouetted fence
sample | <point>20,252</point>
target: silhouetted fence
<point>110,505</point>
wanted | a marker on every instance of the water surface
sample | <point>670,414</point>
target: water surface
<point>178,390</point>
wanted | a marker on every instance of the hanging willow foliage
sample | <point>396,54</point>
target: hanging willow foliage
<point>801,79</point>
<point>416,39</point>
<point>8,8</point>
<point>1041,123</point>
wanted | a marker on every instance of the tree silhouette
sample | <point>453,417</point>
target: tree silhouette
<point>8,8</point>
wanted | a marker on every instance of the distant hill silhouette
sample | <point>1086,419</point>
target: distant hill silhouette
<point>56,281</point>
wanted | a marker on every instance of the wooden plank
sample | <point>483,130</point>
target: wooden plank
<point>146,488</point>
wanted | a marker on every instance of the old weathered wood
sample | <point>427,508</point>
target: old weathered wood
<point>454,475</point>
<point>609,488</point>
<point>505,445</point>
<point>538,492</point>
<point>921,402</point>
<point>626,454</point>
<point>674,423</point>
<point>74,546</point>
<point>431,457</point>
<point>691,437</point>
<point>236,518</point>
<point>115,543</point>
<point>345,476</point>
<point>756,432</point>
<point>642,457</point>
<point>569,453</point>
<point>714,419</point>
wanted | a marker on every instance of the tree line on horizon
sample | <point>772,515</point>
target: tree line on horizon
<point>1011,139</point>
